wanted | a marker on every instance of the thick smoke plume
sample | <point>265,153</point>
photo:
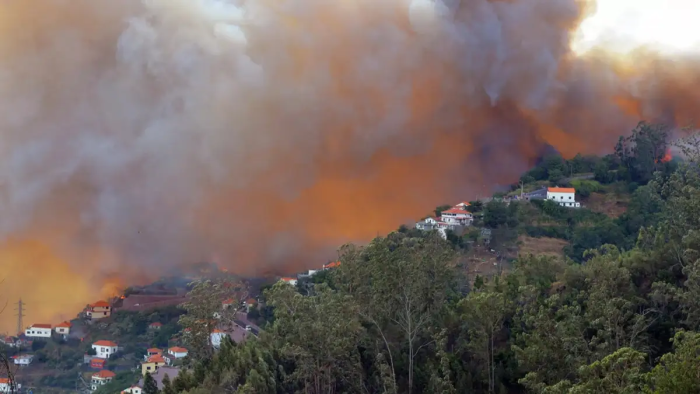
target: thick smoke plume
<point>137,136</point>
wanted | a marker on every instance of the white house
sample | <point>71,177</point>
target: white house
<point>101,378</point>
<point>104,349</point>
<point>23,359</point>
<point>291,281</point>
<point>5,386</point>
<point>564,196</point>
<point>62,328</point>
<point>456,217</point>
<point>216,337</point>
<point>178,352</point>
<point>38,330</point>
<point>132,390</point>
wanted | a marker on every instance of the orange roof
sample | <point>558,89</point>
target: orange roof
<point>288,279</point>
<point>64,324</point>
<point>250,301</point>
<point>156,359</point>
<point>98,360</point>
<point>561,189</point>
<point>100,304</point>
<point>227,302</point>
<point>332,265</point>
<point>456,211</point>
<point>176,349</point>
<point>40,326</point>
<point>4,380</point>
<point>156,324</point>
<point>105,343</point>
<point>104,374</point>
<point>216,331</point>
<point>154,350</point>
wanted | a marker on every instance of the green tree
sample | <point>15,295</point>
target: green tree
<point>483,313</point>
<point>149,385</point>
<point>320,334</point>
<point>677,372</point>
<point>167,386</point>
<point>401,284</point>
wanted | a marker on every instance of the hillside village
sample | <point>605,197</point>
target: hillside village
<point>131,343</point>
<point>104,357</point>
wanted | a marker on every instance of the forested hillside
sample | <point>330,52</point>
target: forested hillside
<point>399,316</point>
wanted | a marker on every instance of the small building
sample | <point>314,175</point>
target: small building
<point>152,352</point>
<point>155,326</point>
<point>152,364</point>
<point>456,217</point>
<point>178,352</point>
<point>333,264</point>
<point>101,378</point>
<point>98,310</point>
<point>216,337</point>
<point>38,331</point>
<point>564,196</point>
<point>250,304</point>
<point>98,363</point>
<point>6,386</point>
<point>132,390</point>
<point>291,281</point>
<point>427,224</point>
<point>23,360</point>
<point>104,349</point>
<point>63,328</point>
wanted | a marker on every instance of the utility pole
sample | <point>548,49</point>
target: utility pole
<point>20,315</point>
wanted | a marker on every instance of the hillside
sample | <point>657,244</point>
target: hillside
<point>530,297</point>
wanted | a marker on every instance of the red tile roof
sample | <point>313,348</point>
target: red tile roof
<point>154,350</point>
<point>227,302</point>
<point>456,211</point>
<point>334,264</point>
<point>40,326</point>
<point>64,324</point>
<point>105,343</point>
<point>104,374</point>
<point>288,279</point>
<point>156,359</point>
<point>251,301</point>
<point>216,331</point>
<point>100,304</point>
<point>561,190</point>
<point>176,349</point>
<point>156,324</point>
<point>4,380</point>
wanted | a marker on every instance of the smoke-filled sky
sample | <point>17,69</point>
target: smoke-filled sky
<point>141,135</point>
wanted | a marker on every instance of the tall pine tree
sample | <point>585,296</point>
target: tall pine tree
<point>149,385</point>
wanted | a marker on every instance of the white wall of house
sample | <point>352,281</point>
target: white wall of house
<point>216,338</point>
<point>5,386</point>
<point>97,382</point>
<point>38,332</point>
<point>63,330</point>
<point>104,351</point>
<point>179,354</point>
<point>24,360</point>
<point>563,199</point>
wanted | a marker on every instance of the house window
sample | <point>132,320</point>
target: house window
<point>569,197</point>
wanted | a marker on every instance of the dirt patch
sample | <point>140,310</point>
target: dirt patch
<point>610,204</point>
<point>541,246</point>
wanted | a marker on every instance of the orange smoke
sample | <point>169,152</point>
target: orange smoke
<point>268,135</point>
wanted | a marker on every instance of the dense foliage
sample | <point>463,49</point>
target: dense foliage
<point>399,315</point>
